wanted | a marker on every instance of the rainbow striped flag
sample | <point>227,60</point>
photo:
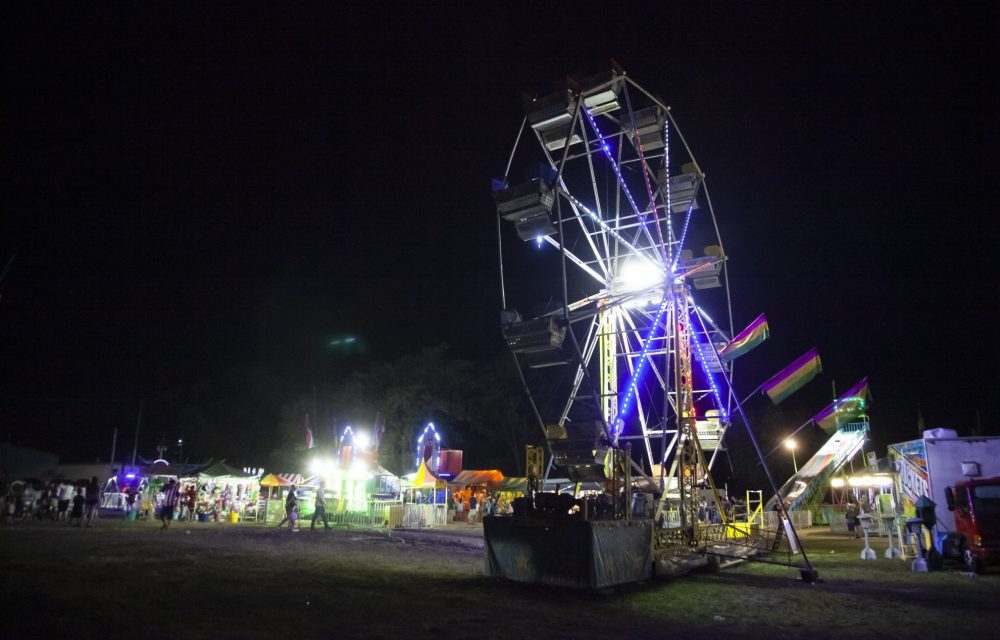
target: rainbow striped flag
<point>850,405</point>
<point>746,340</point>
<point>793,377</point>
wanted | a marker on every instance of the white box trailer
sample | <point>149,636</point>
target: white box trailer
<point>939,460</point>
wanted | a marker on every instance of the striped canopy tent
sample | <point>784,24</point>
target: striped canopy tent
<point>423,479</point>
<point>274,480</point>
<point>492,478</point>
<point>287,479</point>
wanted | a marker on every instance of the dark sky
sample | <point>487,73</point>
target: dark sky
<point>204,188</point>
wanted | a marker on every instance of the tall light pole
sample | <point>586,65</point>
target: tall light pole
<point>790,445</point>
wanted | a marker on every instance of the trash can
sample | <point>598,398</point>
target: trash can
<point>234,517</point>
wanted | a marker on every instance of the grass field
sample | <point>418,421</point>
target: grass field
<point>130,580</point>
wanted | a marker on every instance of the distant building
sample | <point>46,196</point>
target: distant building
<point>21,462</point>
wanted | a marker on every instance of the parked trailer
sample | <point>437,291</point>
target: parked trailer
<point>939,461</point>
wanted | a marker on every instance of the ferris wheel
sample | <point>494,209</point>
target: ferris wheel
<point>613,231</point>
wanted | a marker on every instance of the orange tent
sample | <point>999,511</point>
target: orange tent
<point>492,478</point>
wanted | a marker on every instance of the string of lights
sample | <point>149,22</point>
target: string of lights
<point>628,401</point>
<point>614,165</point>
<point>704,364</point>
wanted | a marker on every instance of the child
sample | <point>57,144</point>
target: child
<point>77,513</point>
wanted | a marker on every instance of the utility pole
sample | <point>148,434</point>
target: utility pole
<point>114,443</point>
<point>135,445</point>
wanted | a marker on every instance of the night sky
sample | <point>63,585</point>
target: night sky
<point>212,187</point>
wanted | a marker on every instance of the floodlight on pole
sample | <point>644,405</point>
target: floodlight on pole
<point>790,445</point>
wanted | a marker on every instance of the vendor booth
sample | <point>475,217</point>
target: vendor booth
<point>274,490</point>
<point>424,500</point>
<point>478,483</point>
<point>223,492</point>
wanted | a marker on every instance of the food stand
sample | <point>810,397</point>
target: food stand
<point>424,503</point>
<point>224,492</point>
<point>475,482</point>
<point>271,499</point>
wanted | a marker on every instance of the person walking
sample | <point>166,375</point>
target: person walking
<point>77,513</point>
<point>459,508</point>
<point>171,494</point>
<point>851,516</point>
<point>192,502</point>
<point>64,494</point>
<point>472,508</point>
<point>93,502</point>
<point>292,509</point>
<point>130,495</point>
<point>320,511</point>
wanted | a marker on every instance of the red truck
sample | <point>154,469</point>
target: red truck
<point>976,507</point>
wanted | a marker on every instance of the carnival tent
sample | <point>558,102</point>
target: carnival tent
<point>492,478</point>
<point>220,472</point>
<point>423,479</point>
<point>274,480</point>
<point>514,484</point>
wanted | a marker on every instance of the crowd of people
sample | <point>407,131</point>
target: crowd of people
<point>473,505</point>
<point>63,501</point>
<point>189,501</point>
<point>170,499</point>
<point>79,503</point>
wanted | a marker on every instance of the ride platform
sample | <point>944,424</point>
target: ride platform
<point>569,552</point>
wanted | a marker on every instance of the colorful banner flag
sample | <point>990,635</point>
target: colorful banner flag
<point>746,340</point>
<point>793,377</point>
<point>310,443</point>
<point>848,406</point>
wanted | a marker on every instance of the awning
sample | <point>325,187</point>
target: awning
<point>423,479</point>
<point>222,472</point>
<point>490,477</point>
<point>274,480</point>
<point>514,484</point>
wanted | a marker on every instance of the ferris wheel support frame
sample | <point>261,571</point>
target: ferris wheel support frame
<point>618,329</point>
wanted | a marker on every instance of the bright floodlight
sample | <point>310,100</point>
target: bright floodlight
<point>360,467</point>
<point>362,440</point>
<point>321,466</point>
<point>637,275</point>
<point>790,444</point>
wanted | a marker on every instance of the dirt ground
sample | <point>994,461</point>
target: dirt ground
<point>215,580</point>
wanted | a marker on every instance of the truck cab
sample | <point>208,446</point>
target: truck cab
<point>976,507</point>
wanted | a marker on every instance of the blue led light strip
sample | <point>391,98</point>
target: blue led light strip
<point>625,404</point>
<point>704,363</point>
<point>614,165</point>
<point>606,227</point>
<point>684,232</point>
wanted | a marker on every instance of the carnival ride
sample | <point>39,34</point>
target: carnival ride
<point>619,235</point>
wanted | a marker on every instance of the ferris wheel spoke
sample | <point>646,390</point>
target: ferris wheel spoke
<point>599,257</point>
<point>576,260</point>
<point>590,344</point>
<point>627,318</point>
